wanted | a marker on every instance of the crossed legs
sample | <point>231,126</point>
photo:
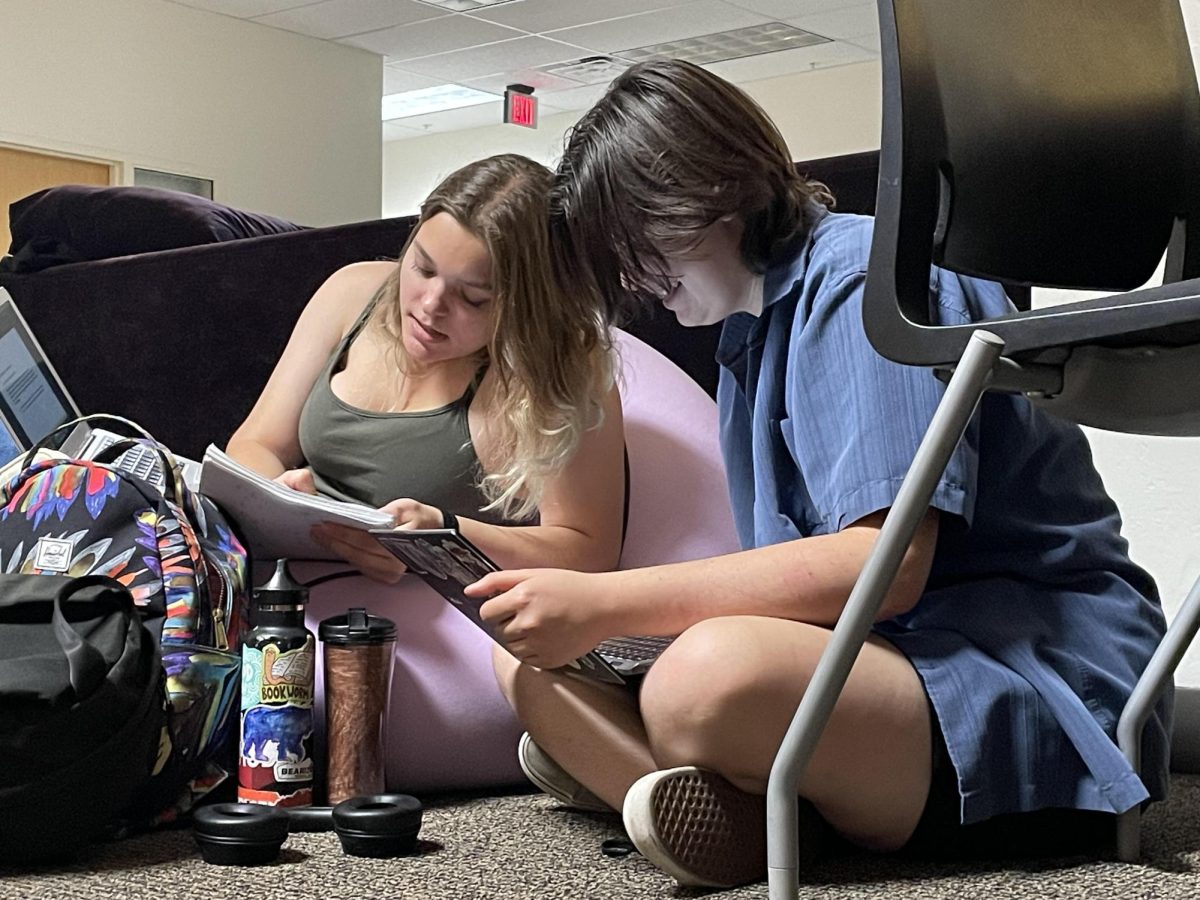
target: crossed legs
<point>720,698</point>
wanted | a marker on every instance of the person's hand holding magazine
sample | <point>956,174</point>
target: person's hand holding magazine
<point>362,550</point>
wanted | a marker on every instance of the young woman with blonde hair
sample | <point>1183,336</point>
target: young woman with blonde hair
<point>457,384</point>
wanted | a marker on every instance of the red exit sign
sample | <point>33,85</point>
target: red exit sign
<point>520,106</point>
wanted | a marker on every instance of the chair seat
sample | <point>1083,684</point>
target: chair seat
<point>1147,389</point>
<point>1166,315</point>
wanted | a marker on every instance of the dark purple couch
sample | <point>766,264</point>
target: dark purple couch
<point>182,341</point>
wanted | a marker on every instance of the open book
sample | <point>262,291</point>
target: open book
<point>275,520</point>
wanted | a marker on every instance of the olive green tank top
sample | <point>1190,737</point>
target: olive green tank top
<point>376,457</point>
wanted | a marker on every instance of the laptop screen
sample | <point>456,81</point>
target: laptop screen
<point>8,444</point>
<point>33,401</point>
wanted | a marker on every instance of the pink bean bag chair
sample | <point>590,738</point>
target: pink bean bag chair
<point>449,727</point>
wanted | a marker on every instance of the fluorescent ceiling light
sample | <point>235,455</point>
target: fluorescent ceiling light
<point>741,42</point>
<point>434,99</point>
<point>463,5</point>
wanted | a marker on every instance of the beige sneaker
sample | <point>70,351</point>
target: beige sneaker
<point>698,828</point>
<point>552,779</point>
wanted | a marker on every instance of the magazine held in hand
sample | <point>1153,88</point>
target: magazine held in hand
<point>448,562</point>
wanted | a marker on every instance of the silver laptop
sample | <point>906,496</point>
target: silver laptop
<point>34,401</point>
<point>448,562</point>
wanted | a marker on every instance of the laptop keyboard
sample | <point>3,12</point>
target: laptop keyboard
<point>635,647</point>
<point>140,461</point>
<point>144,463</point>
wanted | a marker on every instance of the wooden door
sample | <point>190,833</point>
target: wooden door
<point>24,171</point>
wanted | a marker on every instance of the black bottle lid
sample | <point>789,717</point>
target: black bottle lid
<point>356,627</point>
<point>240,834</point>
<point>281,590</point>
<point>378,825</point>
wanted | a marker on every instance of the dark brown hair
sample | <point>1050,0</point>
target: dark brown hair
<point>665,153</point>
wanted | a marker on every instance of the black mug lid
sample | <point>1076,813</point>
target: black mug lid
<point>356,627</point>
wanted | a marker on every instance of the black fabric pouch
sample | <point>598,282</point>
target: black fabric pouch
<point>81,712</point>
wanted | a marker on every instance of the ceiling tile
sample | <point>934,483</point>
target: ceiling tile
<point>1191,18</point>
<point>792,9</point>
<point>598,69</point>
<point>339,18</point>
<point>581,97</point>
<point>393,131</point>
<point>396,81</point>
<point>490,59</point>
<point>866,41</point>
<point>841,24</point>
<point>242,9</point>
<point>689,20</point>
<point>790,62</point>
<point>541,82</point>
<point>537,16</point>
<point>439,35</point>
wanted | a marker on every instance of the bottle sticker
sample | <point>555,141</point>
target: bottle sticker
<point>276,765</point>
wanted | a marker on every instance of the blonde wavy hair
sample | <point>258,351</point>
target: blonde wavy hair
<point>550,348</point>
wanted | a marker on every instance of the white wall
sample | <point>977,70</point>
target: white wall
<point>413,167</point>
<point>283,124</point>
<point>823,113</point>
<point>1155,481</point>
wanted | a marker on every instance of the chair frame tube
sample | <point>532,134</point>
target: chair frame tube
<point>1140,704</point>
<point>963,393</point>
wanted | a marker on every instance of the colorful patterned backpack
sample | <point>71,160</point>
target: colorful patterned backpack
<point>187,571</point>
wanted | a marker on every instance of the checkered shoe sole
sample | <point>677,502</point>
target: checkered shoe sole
<point>698,828</point>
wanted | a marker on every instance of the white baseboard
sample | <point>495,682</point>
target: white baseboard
<point>1185,741</point>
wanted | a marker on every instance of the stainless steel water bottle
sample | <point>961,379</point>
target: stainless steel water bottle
<point>275,761</point>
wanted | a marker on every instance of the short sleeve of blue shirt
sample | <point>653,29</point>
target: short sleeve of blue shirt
<point>855,419</point>
<point>818,429</point>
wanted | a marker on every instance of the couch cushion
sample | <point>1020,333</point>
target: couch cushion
<point>77,222</point>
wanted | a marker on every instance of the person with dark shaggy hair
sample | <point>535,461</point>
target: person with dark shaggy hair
<point>980,714</point>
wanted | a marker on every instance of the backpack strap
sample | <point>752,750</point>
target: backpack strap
<point>54,439</point>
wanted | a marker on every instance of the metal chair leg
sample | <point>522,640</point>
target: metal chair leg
<point>1140,704</point>
<point>963,393</point>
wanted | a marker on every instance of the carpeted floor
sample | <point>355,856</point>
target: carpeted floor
<point>526,846</point>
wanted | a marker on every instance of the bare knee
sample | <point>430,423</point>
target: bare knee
<point>698,697</point>
<point>526,688</point>
<point>505,666</point>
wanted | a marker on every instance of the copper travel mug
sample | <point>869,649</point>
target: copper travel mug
<point>359,656</point>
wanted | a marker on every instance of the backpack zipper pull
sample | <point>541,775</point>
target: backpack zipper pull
<point>220,636</point>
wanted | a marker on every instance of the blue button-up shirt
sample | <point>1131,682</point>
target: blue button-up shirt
<point>1035,624</point>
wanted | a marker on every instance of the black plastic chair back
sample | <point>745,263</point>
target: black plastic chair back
<point>1041,142</point>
